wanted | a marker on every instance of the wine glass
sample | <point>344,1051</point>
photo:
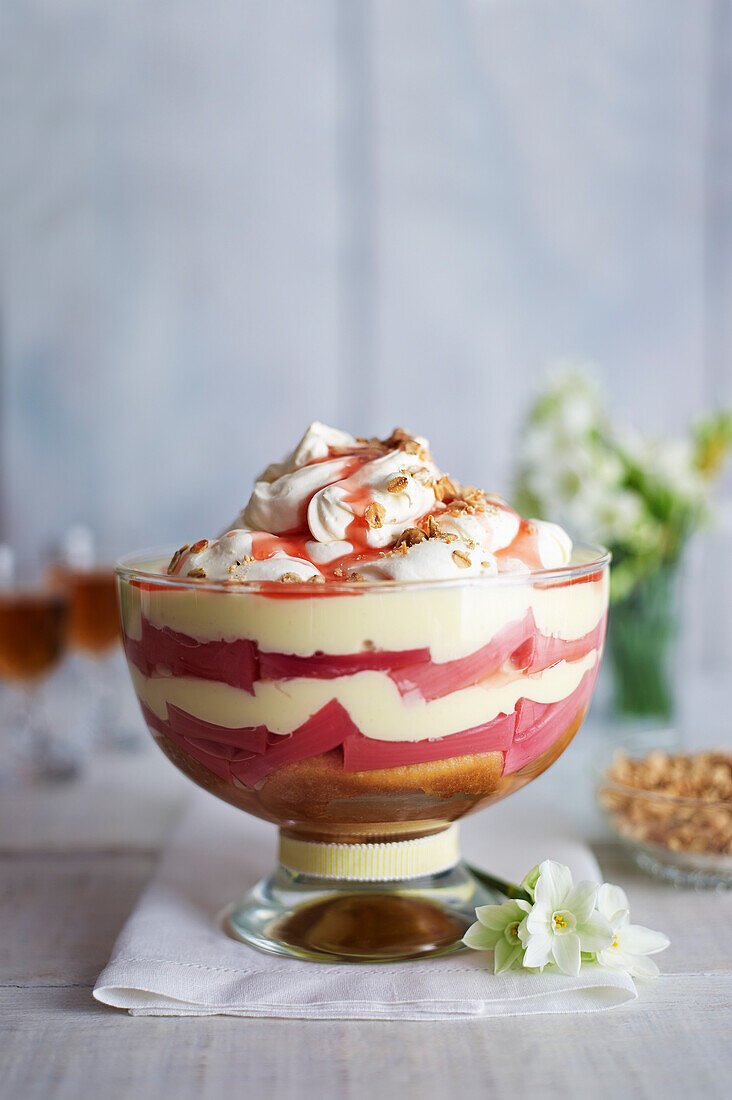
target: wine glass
<point>34,743</point>
<point>94,639</point>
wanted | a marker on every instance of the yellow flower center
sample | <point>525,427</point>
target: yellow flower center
<point>559,921</point>
<point>615,942</point>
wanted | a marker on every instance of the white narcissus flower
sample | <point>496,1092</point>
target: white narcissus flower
<point>632,943</point>
<point>497,930</point>
<point>530,879</point>
<point>562,922</point>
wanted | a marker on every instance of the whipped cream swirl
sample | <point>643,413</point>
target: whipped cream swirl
<point>344,509</point>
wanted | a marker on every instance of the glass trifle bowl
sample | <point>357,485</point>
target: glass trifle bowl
<point>364,719</point>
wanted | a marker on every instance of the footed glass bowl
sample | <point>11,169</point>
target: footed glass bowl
<point>364,719</point>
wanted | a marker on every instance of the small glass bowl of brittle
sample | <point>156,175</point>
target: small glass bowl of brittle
<point>673,810</point>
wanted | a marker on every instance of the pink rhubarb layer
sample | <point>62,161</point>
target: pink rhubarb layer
<point>240,663</point>
<point>249,755</point>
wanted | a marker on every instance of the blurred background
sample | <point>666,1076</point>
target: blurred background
<point>219,222</point>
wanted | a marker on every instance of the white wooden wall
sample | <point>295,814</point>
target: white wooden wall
<point>218,221</point>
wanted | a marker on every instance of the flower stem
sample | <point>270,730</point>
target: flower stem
<point>508,889</point>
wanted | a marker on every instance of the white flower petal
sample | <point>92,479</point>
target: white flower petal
<point>480,938</point>
<point>614,959</point>
<point>528,882</point>
<point>581,900</point>
<point>595,934</point>
<point>505,956</point>
<point>495,917</point>
<point>643,967</point>
<point>566,952</point>
<point>539,921</point>
<point>538,951</point>
<point>610,899</point>
<point>553,884</point>
<point>637,940</point>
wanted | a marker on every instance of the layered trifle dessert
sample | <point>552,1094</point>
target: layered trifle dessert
<point>370,649</point>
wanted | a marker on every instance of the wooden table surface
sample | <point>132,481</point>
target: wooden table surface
<point>74,859</point>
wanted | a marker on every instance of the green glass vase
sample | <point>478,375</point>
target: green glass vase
<point>642,643</point>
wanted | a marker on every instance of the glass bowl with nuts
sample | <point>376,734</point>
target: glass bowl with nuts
<point>673,810</point>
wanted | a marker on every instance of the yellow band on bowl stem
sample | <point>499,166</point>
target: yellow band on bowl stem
<point>375,862</point>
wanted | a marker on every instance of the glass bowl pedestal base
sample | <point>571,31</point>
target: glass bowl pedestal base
<point>361,903</point>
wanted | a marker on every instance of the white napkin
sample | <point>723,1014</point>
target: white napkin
<point>173,959</point>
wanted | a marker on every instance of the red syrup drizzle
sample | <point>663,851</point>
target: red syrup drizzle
<point>525,547</point>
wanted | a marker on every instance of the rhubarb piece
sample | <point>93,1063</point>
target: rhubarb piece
<point>240,753</point>
<point>366,754</point>
<point>538,726</point>
<point>326,666</point>
<point>322,732</point>
<point>218,765</point>
<point>540,651</point>
<point>240,663</point>
<point>431,680</point>
<point>232,662</point>
<point>254,739</point>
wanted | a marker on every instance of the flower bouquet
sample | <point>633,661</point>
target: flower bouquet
<point>641,497</point>
<point>547,920</point>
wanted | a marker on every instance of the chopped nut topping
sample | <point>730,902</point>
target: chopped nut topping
<point>290,578</point>
<point>433,528</point>
<point>413,448</point>
<point>175,560</point>
<point>531,528</point>
<point>356,577</point>
<point>681,801</point>
<point>410,537</point>
<point>461,560</point>
<point>198,573</point>
<point>199,546</point>
<point>397,437</point>
<point>317,579</point>
<point>246,560</point>
<point>398,484</point>
<point>457,506</point>
<point>374,514</point>
<point>446,488</point>
<point>423,476</point>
